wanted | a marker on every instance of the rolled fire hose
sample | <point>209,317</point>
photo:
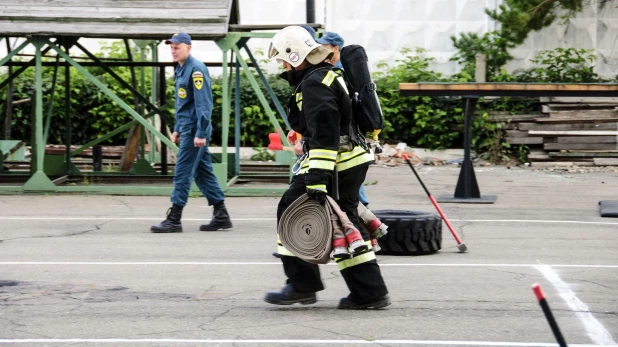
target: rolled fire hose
<point>306,228</point>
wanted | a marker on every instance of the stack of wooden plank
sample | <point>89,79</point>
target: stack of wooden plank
<point>568,131</point>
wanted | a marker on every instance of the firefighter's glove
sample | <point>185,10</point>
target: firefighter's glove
<point>316,185</point>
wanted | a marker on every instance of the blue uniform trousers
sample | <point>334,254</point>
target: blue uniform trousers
<point>362,196</point>
<point>194,163</point>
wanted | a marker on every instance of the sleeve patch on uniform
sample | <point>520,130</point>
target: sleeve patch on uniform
<point>198,82</point>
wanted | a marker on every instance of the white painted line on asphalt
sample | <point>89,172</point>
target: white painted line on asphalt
<point>274,219</point>
<point>305,342</point>
<point>595,330</point>
<point>126,218</point>
<point>532,221</point>
<point>279,264</point>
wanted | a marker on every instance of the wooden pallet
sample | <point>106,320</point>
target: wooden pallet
<point>569,131</point>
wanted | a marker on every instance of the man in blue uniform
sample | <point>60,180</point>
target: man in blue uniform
<point>192,130</point>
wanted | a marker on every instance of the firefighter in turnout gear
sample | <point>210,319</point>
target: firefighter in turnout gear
<point>192,130</point>
<point>320,109</point>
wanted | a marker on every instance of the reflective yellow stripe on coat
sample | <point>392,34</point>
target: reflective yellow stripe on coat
<point>329,78</point>
<point>355,157</point>
<point>299,101</point>
<point>345,160</point>
<point>323,159</point>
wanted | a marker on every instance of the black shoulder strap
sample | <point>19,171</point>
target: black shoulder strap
<point>307,76</point>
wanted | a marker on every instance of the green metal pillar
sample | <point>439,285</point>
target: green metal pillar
<point>50,103</point>
<point>142,44</point>
<point>67,116</point>
<point>39,180</point>
<point>142,165</point>
<point>154,157</point>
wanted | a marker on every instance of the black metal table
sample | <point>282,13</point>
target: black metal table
<point>467,189</point>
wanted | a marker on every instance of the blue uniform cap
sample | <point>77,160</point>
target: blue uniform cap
<point>331,38</point>
<point>309,29</point>
<point>179,38</point>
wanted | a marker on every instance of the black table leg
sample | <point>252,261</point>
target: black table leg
<point>467,190</point>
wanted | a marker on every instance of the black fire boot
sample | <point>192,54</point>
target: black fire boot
<point>288,296</point>
<point>172,223</point>
<point>220,219</point>
<point>376,304</point>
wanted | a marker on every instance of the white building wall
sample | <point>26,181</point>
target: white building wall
<point>385,27</point>
<point>595,28</point>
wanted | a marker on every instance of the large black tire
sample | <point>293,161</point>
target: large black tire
<point>410,232</point>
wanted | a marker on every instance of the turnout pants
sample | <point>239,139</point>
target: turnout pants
<point>361,273</point>
<point>194,163</point>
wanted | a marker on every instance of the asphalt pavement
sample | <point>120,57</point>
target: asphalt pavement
<point>85,270</point>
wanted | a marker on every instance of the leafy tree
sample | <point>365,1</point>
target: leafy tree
<point>517,19</point>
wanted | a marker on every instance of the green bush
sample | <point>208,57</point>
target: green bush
<point>418,121</point>
<point>563,65</point>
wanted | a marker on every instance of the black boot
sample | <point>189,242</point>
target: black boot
<point>288,296</point>
<point>172,223</point>
<point>376,304</point>
<point>220,219</point>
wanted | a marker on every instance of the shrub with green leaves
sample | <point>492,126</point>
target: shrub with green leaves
<point>418,121</point>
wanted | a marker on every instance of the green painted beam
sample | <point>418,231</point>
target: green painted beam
<point>10,190</point>
<point>141,190</point>
<point>116,190</point>
<point>229,41</point>
<point>262,98</point>
<point>15,51</point>
<point>114,97</point>
<point>262,35</point>
<point>255,191</point>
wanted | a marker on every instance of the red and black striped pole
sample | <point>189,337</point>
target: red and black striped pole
<point>540,296</point>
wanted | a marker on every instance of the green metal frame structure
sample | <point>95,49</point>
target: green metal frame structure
<point>41,183</point>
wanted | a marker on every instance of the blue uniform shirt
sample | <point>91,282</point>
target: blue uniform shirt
<point>193,98</point>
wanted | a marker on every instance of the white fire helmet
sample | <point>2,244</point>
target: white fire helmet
<point>294,44</point>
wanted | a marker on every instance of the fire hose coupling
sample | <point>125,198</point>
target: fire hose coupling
<point>375,227</point>
<point>380,231</point>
